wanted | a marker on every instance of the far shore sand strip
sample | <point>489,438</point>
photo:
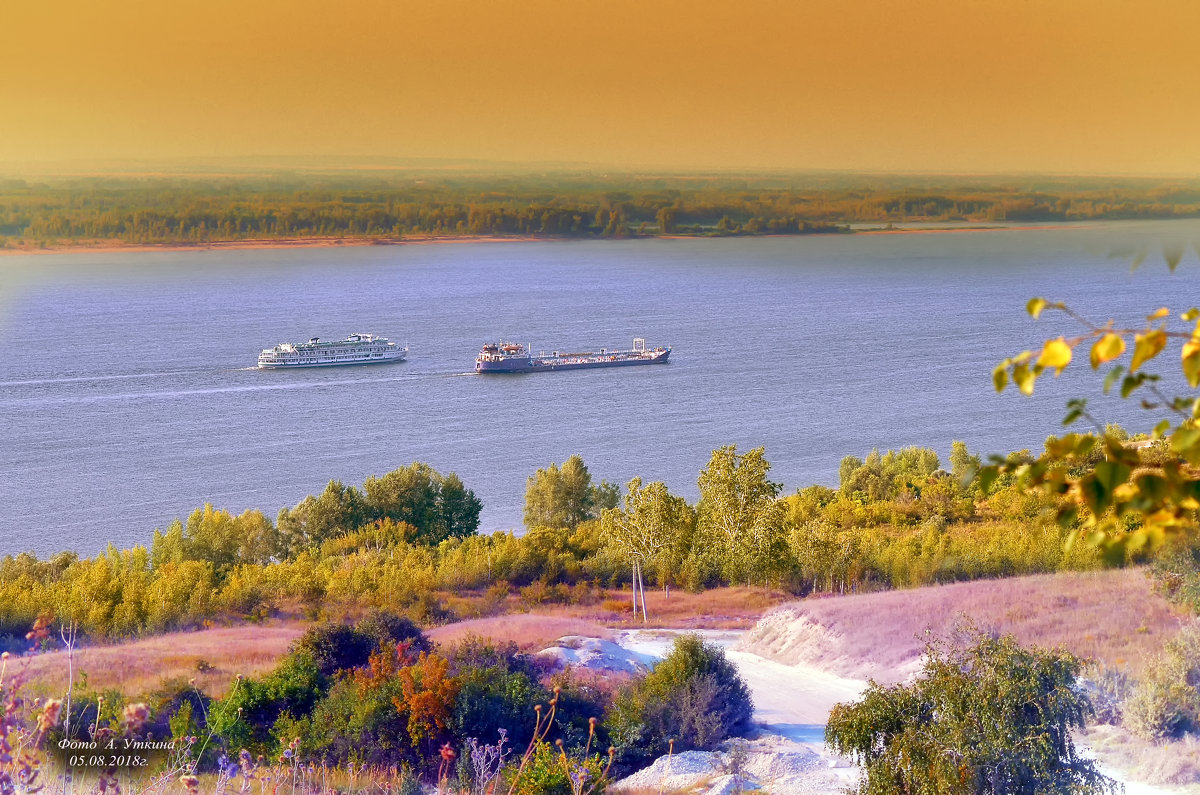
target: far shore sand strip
<point>121,247</point>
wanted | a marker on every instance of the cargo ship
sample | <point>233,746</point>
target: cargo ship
<point>512,357</point>
<point>355,349</point>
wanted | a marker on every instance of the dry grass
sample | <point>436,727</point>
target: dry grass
<point>719,608</point>
<point>1110,616</point>
<point>1176,764</point>
<point>214,656</point>
<point>529,630</point>
<point>137,667</point>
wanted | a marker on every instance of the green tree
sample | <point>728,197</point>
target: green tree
<point>653,528</point>
<point>338,510</point>
<point>408,494</point>
<point>227,541</point>
<point>563,497</point>
<point>985,717</point>
<point>739,520</point>
<point>438,506</point>
<point>825,555</point>
<point>963,465</point>
<point>458,509</point>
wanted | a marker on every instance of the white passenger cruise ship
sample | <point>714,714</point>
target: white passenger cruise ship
<point>355,349</point>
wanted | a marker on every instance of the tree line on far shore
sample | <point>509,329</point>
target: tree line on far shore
<point>158,210</point>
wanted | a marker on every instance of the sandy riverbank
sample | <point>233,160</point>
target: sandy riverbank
<point>122,247</point>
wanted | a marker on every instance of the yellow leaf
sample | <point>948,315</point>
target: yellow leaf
<point>1191,362</point>
<point>1146,347</point>
<point>1107,348</point>
<point>1000,378</point>
<point>1159,313</point>
<point>1055,354</point>
<point>1035,307</point>
<point>1023,377</point>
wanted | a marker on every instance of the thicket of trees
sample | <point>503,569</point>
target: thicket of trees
<point>198,210</point>
<point>406,540</point>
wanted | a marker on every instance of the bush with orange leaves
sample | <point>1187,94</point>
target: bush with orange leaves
<point>427,697</point>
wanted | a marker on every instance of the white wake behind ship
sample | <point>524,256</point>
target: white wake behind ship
<point>355,349</point>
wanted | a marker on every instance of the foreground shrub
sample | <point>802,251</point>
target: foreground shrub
<point>498,691</point>
<point>245,718</point>
<point>694,696</point>
<point>1165,704</point>
<point>985,717</point>
<point>549,771</point>
<point>339,647</point>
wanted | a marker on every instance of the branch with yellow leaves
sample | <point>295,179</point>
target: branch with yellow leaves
<point>1122,499</point>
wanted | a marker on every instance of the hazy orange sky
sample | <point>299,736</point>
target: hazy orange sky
<point>1064,86</point>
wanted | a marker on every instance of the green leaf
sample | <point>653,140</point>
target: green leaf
<point>1112,377</point>
<point>1191,362</point>
<point>1075,409</point>
<point>1035,307</point>
<point>1130,383</point>
<point>1151,487</point>
<point>1146,347</point>
<point>1161,428</point>
<point>1190,315</point>
<point>1107,348</point>
<point>1098,487</point>
<point>1094,494</point>
<point>1185,439</point>
<point>1116,451</point>
<point>1067,515</point>
<point>1059,448</point>
<point>987,476</point>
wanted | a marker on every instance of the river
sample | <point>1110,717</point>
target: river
<point>129,396</point>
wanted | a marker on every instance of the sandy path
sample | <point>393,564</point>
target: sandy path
<point>794,701</point>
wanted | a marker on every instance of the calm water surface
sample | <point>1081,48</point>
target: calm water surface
<point>128,395</point>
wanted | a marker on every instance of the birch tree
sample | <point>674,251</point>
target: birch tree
<point>740,520</point>
<point>653,527</point>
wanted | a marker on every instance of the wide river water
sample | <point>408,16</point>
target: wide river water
<point>129,396</point>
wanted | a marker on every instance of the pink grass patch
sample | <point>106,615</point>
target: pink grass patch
<point>1114,617</point>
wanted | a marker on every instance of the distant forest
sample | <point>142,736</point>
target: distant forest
<point>393,204</point>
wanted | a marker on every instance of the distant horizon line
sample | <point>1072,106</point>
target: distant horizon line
<point>251,165</point>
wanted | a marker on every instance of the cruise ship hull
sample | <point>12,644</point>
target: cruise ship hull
<point>571,362</point>
<point>298,365</point>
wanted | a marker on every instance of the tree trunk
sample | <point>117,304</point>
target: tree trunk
<point>633,581</point>
<point>642,588</point>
